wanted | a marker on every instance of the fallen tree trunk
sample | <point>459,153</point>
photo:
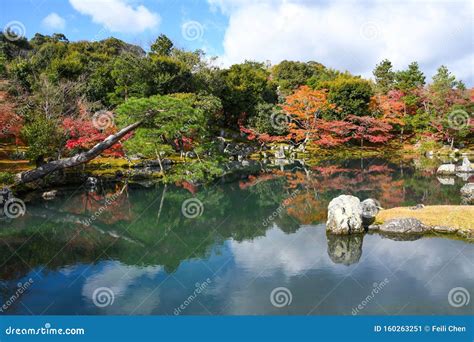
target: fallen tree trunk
<point>81,158</point>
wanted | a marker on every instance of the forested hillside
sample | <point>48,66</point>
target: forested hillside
<point>69,96</point>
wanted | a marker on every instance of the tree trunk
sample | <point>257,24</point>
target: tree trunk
<point>161,204</point>
<point>81,158</point>
<point>159,162</point>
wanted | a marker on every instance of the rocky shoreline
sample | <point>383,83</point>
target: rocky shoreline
<point>347,215</point>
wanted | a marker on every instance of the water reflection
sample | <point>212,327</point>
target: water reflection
<point>141,246</point>
<point>345,250</point>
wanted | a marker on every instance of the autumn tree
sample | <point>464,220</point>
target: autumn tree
<point>308,109</point>
<point>81,135</point>
<point>370,129</point>
<point>391,109</point>
<point>449,106</point>
<point>306,106</point>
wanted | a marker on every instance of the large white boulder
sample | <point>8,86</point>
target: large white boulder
<point>344,215</point>
<point>446,169</point>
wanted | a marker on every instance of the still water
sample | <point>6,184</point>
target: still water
<point>253,244</point>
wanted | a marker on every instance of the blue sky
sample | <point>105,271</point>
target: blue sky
<point>171,14</point>
<point>343,34</point>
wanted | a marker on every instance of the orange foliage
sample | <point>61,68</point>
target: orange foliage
<point>391,106</point>
<point>306,209</point>
<point>305,106</point>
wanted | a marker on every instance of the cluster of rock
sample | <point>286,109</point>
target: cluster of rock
<point>348,215</point>
<point>452,169</point>
<point>235,150</point>
<point>415,228</point>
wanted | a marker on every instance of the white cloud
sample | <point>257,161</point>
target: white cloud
<point>352,35</point>
<point>54,21</point>
<point>121,279</point>
<point>118,15</point>
<point>300,262</point>
<point>276,251</point>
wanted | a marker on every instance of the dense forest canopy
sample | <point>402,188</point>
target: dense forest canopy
<point>71,95</point>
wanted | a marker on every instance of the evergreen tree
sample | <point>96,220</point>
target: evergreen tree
<point>384,76</point>
<point>411,78</point>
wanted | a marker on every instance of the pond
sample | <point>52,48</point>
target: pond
<point>250,244</point>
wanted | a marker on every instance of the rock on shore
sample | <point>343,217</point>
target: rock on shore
<point>450,169</point>
<point>403,226</point>
<point>344,215</point>
<point>348,215</point>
